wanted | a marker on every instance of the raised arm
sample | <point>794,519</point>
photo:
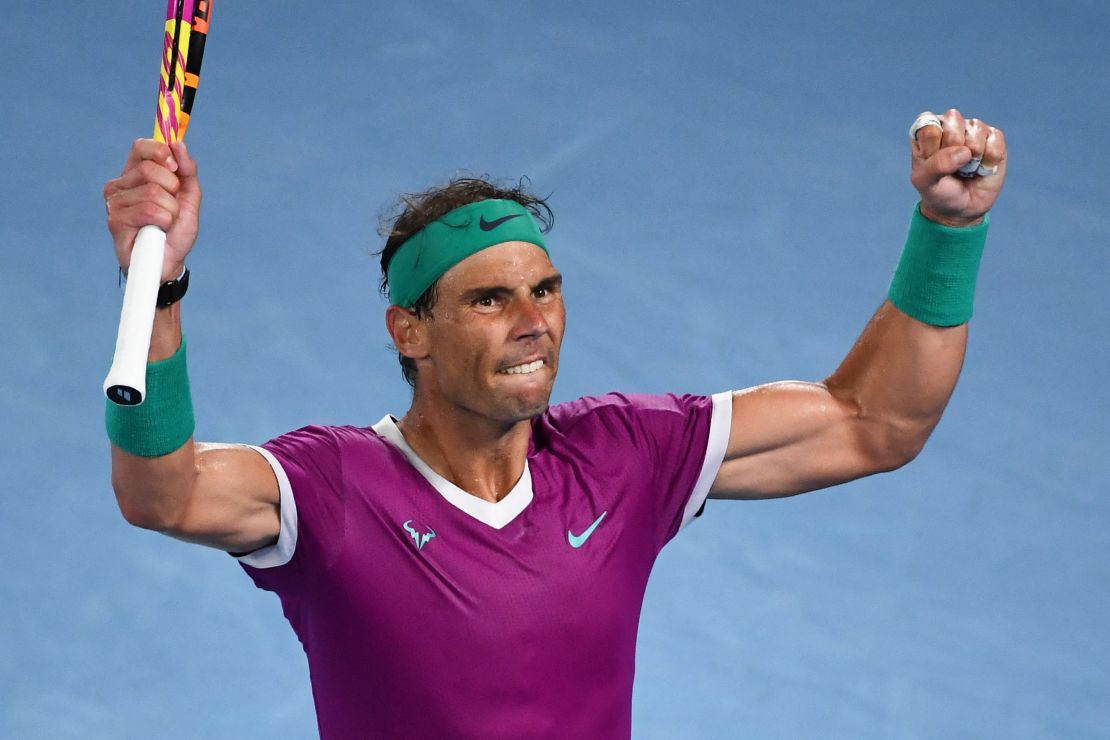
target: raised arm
<point>877,410</point>
<point>223,496</point>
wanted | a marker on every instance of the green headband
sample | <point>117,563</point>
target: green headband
<point>450,239</point>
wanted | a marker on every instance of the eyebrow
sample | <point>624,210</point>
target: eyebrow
<point>548,283</point>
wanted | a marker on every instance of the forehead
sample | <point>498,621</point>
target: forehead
<point>508,264</point>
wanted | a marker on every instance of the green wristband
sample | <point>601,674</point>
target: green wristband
<point>935,279</point>
<point>163,422</point>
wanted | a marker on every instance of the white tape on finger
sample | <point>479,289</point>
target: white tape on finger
<point>971,169</point>
<point>980,170</point>
<point>925,119</point>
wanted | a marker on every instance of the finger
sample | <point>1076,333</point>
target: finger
<point>186,170</point>
<point>149,150</point>
<point>130,208</point>
<point>146,171</point>
<point>975,139</point>
<point>124,223</point>
<point>926,132</point>
<point>186,165</point>
<point>953,125</point>
<point>133,217</point>
<point>994,153</point>
<point>942,164</point>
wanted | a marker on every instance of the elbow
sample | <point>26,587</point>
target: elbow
<point>137,514</point>
<point>887,443</point>
<point>893,444</point>
<point>153,493</point>
<point>900,453</point>
<point>885,438</point>
<point>142,518</point>
<point>144,509</point>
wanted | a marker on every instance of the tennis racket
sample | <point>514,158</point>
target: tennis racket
<point>186,30</point>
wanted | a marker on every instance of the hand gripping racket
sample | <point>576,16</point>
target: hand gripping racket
<point>182,50</point>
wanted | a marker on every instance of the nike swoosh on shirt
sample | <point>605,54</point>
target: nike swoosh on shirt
<point>485,225</point>
<point>577,540</point>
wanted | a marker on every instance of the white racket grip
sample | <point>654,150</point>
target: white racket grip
<point>126,381</point>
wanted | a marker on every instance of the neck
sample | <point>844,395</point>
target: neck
<point>481,456</point>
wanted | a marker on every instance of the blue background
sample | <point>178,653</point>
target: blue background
<point>731,190</point>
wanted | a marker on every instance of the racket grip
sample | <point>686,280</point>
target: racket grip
<point>126,381</point>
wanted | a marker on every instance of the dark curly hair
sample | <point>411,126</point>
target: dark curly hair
<point>413,211</point>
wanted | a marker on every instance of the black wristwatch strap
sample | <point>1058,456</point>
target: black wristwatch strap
<point>173,291</point>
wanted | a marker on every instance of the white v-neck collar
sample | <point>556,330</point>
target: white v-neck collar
<point>495,514</point>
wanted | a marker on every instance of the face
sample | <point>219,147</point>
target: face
<point>493,339</point>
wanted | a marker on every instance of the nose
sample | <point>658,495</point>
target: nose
<point>530,321</point>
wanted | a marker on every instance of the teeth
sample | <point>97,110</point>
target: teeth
<point>530,367</point>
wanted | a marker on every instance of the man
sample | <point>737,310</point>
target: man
<point>476,567</point>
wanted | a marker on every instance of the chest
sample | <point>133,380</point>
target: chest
<point>575,560</point>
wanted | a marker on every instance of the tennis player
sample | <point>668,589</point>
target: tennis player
<point>475,567</point>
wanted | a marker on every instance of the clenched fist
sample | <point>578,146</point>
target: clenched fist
<point>158,187</point>
<point>939,149</point>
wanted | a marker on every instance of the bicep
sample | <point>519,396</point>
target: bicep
<point>234,502</point>
<point>791,437</point>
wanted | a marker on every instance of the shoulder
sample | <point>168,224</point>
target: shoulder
<point>317,436</point>
<point>624,414</point>
<point>616,403</point>
<point>320,445</point>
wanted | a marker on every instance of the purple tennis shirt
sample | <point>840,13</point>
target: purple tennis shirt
<point>426,612</point>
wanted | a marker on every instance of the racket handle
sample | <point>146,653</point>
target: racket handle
<point>126,381</point>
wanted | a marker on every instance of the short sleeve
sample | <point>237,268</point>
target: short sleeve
<point>308,466</point>
<point>670,446</point>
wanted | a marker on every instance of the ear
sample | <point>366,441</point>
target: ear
<point>408,332</point>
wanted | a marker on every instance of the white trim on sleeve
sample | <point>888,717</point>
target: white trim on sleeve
<point>720,425</point>
<point>281,552</point>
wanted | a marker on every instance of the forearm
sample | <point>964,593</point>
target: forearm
<point>153,489</point>
<point>903,369</point>
<point>165,336</point>
<point>898,377</point>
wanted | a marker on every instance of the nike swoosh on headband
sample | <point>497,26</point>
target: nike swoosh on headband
<point>485,225</point>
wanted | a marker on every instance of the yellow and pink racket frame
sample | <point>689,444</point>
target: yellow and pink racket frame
<point>182,50</point>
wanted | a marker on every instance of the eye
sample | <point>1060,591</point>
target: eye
<point>487,302</point>
<point>546,293</point>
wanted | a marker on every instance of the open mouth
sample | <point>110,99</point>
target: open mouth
<point>525,369</point>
